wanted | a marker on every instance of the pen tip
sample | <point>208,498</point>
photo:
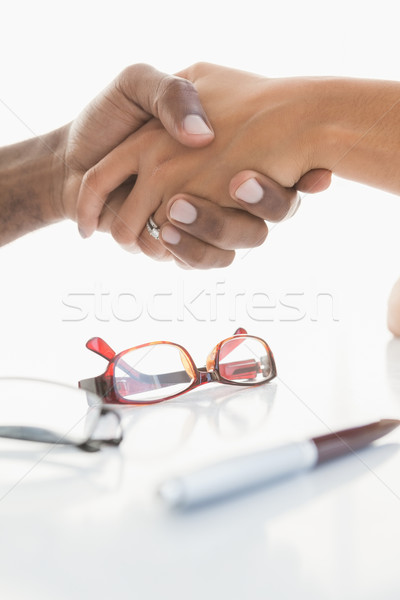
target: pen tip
<point>171,492</point>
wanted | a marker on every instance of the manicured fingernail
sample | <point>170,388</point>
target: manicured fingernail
<point>194,124</point>
<point>183,212</point>
<point>170,235</point>
<point>250,191</point>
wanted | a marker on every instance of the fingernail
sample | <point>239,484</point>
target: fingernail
<point>294,208</point>
<point>183,212</point>
<point>170,235</point>
<point>250,191</point>
<point>82,233</point>
<point>194,124</point>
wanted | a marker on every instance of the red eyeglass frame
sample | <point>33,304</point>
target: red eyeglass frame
<point>103,385</point>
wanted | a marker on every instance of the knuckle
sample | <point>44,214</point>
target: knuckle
<point>199,258</point>
<point>216,228</point>
<point>199,68</point>
<point>133,72</point>
<point>174,89</point>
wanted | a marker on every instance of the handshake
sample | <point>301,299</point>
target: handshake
<point>202,158</point>
<point>187,153</point>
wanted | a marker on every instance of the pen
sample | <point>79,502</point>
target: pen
<point>247,472</point>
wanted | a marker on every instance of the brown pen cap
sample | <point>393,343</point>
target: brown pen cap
<point>343,442</point>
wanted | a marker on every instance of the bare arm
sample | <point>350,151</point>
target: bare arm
<point>31,175</point>
<point>357,130</point>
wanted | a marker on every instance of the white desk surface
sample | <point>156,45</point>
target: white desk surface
<point>76,525</point>
<point>81,526</point>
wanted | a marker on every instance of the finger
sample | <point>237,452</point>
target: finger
<point>146,243</point>
<point>316,180</point>
<point>100,180</point>
<point>133,97</point>
<point>130,221</point>
<point>191,252</point>
<point>171,99</point>
<point>262,196</point>
<point>223,227</point>
<point>179,263</point>
<point>151,246</point>
<point>114,202</point>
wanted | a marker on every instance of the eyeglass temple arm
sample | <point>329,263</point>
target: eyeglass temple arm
<point>39,434</point>
<point>228,348</point>
<point>241,369</point>
<point>100,347</point>
<point>95,385</point>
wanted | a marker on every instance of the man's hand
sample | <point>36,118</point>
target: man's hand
<point>205,235</point>
<point>139,93</point>
<point>40,177</point>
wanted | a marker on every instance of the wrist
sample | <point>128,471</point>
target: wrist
<point>358,136</point>
<point>294,125</point>
<point>31,177</point>
<point>332,131</point>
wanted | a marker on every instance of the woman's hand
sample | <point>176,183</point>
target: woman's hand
<point>258,126</point>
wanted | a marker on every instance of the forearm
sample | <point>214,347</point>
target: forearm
<point>359,135</point>
<point>31,179</point>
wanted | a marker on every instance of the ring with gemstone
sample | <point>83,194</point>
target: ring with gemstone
<point>153,228</point>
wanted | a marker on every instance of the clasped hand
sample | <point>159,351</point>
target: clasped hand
<point>209,193</point>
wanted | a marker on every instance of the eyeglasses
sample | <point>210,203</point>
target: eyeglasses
<point>157,371</point>
<point>43,411</point>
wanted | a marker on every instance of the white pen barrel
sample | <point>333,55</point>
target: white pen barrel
<point>238,474</point>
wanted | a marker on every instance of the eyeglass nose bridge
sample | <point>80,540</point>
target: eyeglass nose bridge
<point>208,376</point>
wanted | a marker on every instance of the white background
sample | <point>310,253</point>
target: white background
<point>341,247</point>
<point>343,242</point>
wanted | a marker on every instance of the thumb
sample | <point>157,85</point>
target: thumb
<point>171,99</point>
<point>316,180</point>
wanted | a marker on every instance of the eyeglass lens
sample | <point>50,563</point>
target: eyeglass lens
<point>244,360</point>
<point>160,370</point>
<point>151,373</point>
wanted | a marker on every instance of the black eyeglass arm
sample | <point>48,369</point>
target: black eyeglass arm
<point>39,434</point>
<point>89,385</point>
